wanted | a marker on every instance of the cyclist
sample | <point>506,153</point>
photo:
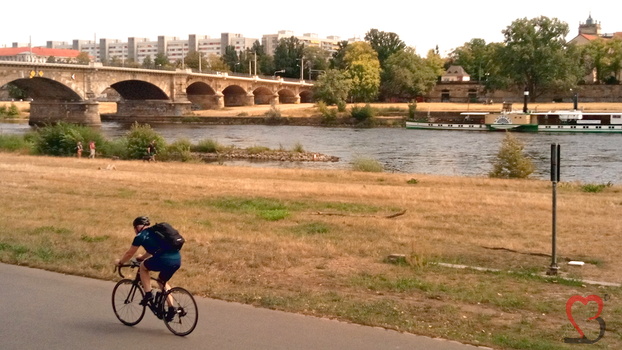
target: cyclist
<point>156,258</point>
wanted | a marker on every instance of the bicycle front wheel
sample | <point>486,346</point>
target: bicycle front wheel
<point>126,298</point>
<point>186,315</point>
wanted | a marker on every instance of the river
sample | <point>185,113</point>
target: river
<point>588,158</point>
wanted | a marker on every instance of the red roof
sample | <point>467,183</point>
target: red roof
<point>39,51</point>
<point>590,37</point>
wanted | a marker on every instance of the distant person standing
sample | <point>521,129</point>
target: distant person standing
<point>152,151</point>
<point>79,149</point>
<point>92,150</point>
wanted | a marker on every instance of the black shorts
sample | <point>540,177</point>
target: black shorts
<point>166,267</point>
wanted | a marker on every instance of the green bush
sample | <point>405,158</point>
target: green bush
<point>178,151</point>
<point>329,115</point>
<point>60,139</point>
<point>362,114</point>
<point>273,113</point>
<point>511,162</point>
<point>367,165</point>
<point>138,139</point>
<point>341,106</point>
<point>207,146</point>
<point>298,148</point>
<point>10,112</point>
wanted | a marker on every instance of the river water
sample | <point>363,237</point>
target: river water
<point>588,158</point>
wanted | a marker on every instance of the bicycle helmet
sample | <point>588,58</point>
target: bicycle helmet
<point>141,221</point>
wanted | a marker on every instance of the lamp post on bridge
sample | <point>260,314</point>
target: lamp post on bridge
<point>278,71</point>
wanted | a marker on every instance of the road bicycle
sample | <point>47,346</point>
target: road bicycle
<point>127,295</point>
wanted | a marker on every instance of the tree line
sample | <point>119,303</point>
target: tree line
<point>533,56</point>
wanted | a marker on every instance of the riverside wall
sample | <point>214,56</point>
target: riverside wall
<point>463,92</point>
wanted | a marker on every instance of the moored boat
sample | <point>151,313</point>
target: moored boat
<point>510,120</point>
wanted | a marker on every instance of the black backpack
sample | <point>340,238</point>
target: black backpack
<point>170,237</point>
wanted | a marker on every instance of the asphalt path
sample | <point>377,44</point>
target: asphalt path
<point>46,310</point>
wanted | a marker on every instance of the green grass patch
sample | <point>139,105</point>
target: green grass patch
<point>365,164</point>
<point>312,228</point>
<point>51,229</point>
<point>94,239</point>
<point>595,188</point>
<point>15,143</point>
<point>257,149</point>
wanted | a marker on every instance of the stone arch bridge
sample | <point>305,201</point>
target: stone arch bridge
<point>61,92</point>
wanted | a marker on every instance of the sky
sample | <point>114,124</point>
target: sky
<point>422,25</point>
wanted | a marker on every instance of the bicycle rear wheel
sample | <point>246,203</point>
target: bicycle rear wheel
<point>126,298</point>
<point>186,312</point>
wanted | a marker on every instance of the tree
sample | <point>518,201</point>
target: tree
<point>16,92</point>
<point>406,76</point>
<point>615,47</point>
<point>603,57</point>
<point>83,58</point>
<point>196,60</point>
<point>287,55</point>
<point>337,61</point>
<point>384,43</point>
<point>511,163</point>
<point>316,59</point>
<point>435,62</point>
<point>265,62</point>
<point>363,68</point>
<point>148,62</point>
<point>161,61</point>
<point>230,57</point>
<point>535,56</point>
<point>474,56</point>
<point>332,87</point>
<point>215,63</point>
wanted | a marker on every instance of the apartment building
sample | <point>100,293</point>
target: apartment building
<point>330,44</point>
<point>137,49</point>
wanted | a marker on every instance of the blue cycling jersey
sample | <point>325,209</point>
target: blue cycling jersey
<point>152,245</point>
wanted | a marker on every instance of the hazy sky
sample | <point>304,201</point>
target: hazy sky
<point>420,24</point>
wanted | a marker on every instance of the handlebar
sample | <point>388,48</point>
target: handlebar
<point>131,264</point>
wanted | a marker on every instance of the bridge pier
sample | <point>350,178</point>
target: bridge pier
<point>48,112</point>
<point>153,108</point>
<point>250,99</point>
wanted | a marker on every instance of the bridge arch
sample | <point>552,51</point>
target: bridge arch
<point>263,95</point>
<point>139,90</point>
<point>306,96</point>
<point>235,95</point>
<point>287,96</point>
<point>43,89</point>
<point>202,96</point>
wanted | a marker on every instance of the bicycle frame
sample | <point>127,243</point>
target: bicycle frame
<point>157,304</point>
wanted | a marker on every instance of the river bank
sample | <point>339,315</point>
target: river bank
<point>307,114</point>
<point>318,242</point>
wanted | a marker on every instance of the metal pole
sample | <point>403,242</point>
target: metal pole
<point>555,160</point>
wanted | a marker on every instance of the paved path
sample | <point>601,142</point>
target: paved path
<point>46,310</point>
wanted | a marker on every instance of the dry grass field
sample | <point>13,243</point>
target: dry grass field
<point>317,242</point>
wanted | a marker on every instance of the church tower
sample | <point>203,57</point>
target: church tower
<point>590,27</point>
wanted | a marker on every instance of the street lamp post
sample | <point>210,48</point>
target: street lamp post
<point>278,71</point>
<point>526,94</point>
<point>302,66</point>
